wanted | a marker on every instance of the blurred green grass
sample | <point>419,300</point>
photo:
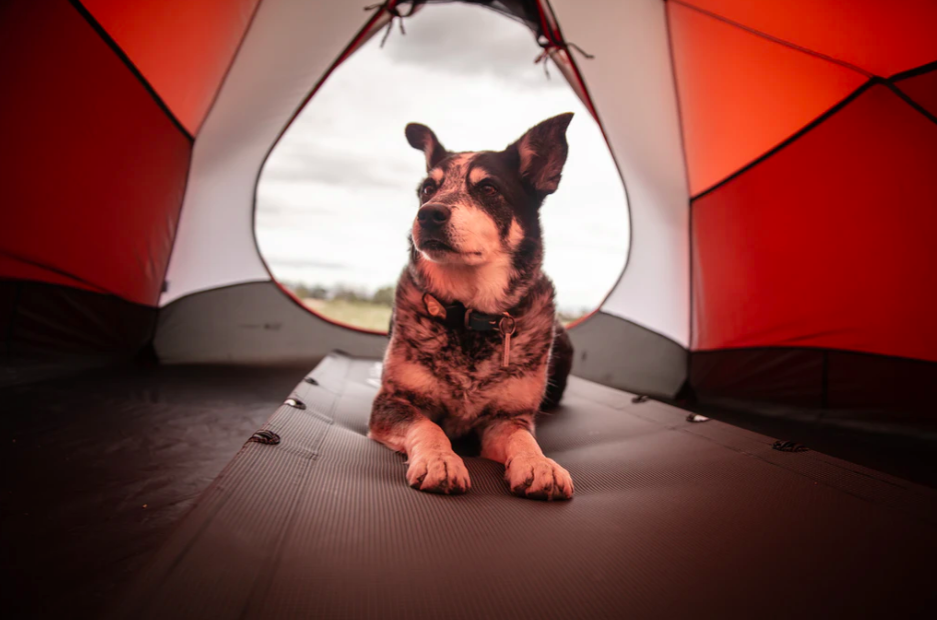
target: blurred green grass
<point>361,314</point>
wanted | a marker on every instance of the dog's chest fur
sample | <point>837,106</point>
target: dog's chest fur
<point>455,375</point>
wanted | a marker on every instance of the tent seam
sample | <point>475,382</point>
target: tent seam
<point>686,175</point>
<point>611,151</point>
<point>122,55</point>
<point>910,73</point>
<point>793,137</point>
<point>357,40</point>
<point>94,287</point>
<point>827,349</point>
<point>634,323</point>
<point>188,174</point>
<point>774,39</point>
<point>234,57</point>
<point>911,102</point>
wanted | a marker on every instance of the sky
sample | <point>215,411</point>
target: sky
<point>337,196</point>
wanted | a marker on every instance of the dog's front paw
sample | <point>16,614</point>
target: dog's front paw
<point>438,472</point>
<point>537,477</point>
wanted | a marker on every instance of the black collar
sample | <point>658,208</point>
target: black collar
<point>457,316</point>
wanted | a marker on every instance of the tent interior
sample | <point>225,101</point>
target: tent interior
<point>750,423</point>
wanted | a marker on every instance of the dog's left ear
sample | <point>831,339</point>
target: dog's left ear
<point>542,151</point>
<point>423,139</point>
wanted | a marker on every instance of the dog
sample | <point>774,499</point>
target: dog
<point>475,345</point>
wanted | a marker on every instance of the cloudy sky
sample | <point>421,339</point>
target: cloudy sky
<point>337,196</point>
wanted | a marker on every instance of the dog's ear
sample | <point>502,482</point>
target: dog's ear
<point>542,153</point>
<point>423,139</point>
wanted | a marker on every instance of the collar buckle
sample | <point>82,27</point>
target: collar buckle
<point>433,307</point>
<point>457,315</point>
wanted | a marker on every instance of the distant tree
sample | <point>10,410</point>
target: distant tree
<point>300,290</point>
<point>384,296</point>
<point>318,292</point>
<point>345,293</point>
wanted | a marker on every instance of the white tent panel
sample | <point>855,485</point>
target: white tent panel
<point>631,84</point>
<point>286,51</point>
<point>292,43</point>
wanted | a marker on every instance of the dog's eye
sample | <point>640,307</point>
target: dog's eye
<point>488,189</point>
<point>428,190</point>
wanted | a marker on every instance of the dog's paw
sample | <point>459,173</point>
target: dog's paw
<point>438,472</point>
<point>537,477</point>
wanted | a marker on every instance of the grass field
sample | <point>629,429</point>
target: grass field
<point>369,315</point>
<point>356,313</point>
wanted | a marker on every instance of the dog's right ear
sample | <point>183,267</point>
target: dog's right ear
<point>423,139</point>
<point>542,151</point>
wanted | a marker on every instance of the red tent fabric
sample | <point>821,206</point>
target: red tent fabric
<point>182,48</point>
<point>777,156</point>
<point>95,167</point>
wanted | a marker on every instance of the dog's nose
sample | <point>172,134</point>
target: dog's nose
<point>433,216</point>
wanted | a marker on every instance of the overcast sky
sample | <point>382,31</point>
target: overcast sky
<point>337,196</point>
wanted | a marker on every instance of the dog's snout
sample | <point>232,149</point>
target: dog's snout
<point>433,216</point>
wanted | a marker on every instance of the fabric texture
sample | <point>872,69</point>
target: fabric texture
<point>670,519</point>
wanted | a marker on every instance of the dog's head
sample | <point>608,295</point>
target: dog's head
<point>480,207</point>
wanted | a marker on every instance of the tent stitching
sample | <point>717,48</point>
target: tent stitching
<point>686,175</point>
<point>86,14</point>
<point>611,151</point>
<point>227,72</point>
<point>910,73</point>
<point>804,347</point>
<point>911,102</point>
<point>795,136</point>
<point>370,27</point>
<point>91,285</point>
<point>773,39</point>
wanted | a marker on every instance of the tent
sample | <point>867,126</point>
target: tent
<point>778,159</point>
<point>777,164</point>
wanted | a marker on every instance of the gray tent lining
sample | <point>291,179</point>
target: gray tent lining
<point>671,519</point>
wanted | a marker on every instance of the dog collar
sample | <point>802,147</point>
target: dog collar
<point>456,315</point>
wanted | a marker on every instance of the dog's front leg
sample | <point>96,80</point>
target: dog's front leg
<point>433,466</point>
<point>528,472</point>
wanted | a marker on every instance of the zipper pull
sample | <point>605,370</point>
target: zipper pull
<point>506,326</point>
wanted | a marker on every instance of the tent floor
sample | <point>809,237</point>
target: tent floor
<point>670,518</point>
<point>83,454</point>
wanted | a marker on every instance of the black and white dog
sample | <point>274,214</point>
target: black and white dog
<point>475,344</point>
